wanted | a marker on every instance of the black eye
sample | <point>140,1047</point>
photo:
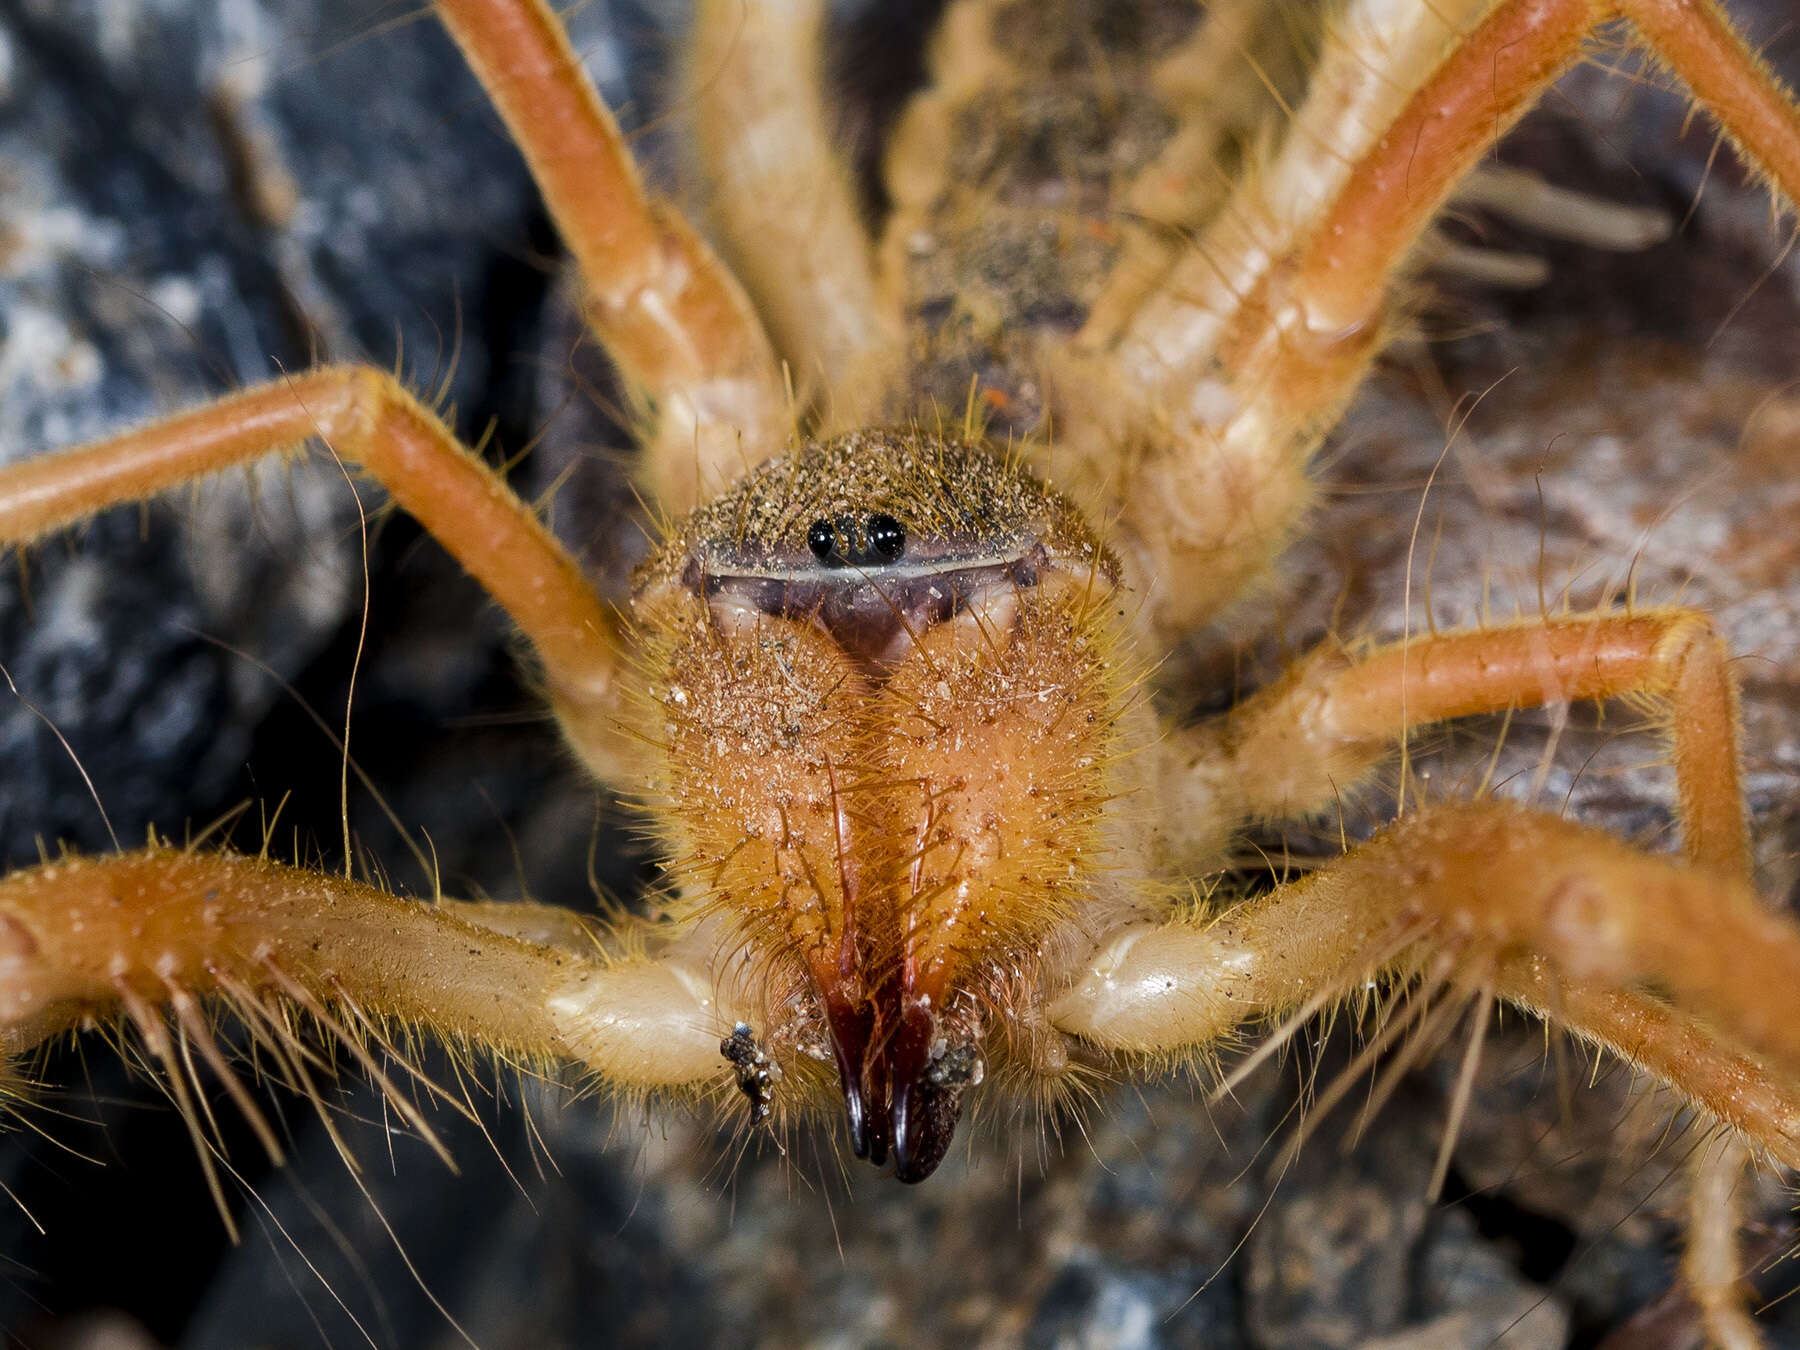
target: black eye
<point>821,538</point>
<point>887,537</point>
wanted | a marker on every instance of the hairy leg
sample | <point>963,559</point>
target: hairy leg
<point>86,936</point>
<point>1293,748</point>
<point>366,417</point>
<point>1481,888</point>
<point>158,937</point>
<point>668,312</point>
<point>1263,331</point>
<point>1536,924</point>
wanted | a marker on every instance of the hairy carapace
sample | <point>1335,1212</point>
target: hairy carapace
<point>887,689</point>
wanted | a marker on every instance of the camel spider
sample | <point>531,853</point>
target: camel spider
<point>1134,531</point>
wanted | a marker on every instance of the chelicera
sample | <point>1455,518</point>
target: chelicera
<point>847,716</point>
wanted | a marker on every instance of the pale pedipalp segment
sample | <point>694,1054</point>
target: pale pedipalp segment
<point>1566,921</point>
<point>713,402</point>
<point>1239,363</point>
<point>163,931</point>
<point>368,419</point>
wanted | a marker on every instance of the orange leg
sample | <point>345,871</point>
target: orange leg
<point>1562,919</point>
<point>668,312</point>
<point>1485,891</point>
<point>1676,656</point>
<point>152,935</point>
<point>1755,109</point>
<point>1566,921</point>
<point>1267,326</point>
<point>1293,747</point>
<point>367,418</point>
<point>1343,272</point>
<point>1669,1046</point>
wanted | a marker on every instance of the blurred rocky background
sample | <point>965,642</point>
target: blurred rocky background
<point>198,195</point>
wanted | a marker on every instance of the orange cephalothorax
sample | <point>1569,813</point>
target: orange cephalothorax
<point>887,693</point>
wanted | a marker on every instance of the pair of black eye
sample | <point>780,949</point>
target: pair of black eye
<point>837,543</point>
